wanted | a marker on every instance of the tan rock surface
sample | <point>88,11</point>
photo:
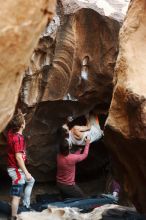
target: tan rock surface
<point>21,23</point>
<point>127,117</point>
<point>73,213</point>
<point>55,70</point>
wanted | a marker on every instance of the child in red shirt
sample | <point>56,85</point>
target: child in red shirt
<point>16,165</point>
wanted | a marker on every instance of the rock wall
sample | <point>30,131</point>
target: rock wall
<point>21,23</point>
<point>53,87</point>
<point>126,124</point>
<point>55,70</point>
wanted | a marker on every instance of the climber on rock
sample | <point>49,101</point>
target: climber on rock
<point>66,169</point>
<point>77,133</point>
<point>16,165</point>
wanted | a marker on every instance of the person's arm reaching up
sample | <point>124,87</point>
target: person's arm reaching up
<point>78,151</point>
<point>82,156</point>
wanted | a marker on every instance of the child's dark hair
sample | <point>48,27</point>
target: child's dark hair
<point>64,133</point>
<point>17,121</point>
<point>64,147</point>
<point>78,121</point>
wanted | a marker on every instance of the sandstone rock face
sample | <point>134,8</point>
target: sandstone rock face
<point>60,78</point>
<point>126,125</point>
<point>53,87</point>
<point>65,73</point>
<point>21,23</point>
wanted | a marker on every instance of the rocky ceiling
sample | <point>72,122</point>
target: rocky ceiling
<point>115,9</point>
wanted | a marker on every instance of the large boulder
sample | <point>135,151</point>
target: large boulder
<point>21,23</point>
<point>126,124</point>
<point>107,212</point>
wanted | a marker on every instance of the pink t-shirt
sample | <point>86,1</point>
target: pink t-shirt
<point>66,166</point>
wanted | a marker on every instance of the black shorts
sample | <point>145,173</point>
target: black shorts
<point>17,190</point>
